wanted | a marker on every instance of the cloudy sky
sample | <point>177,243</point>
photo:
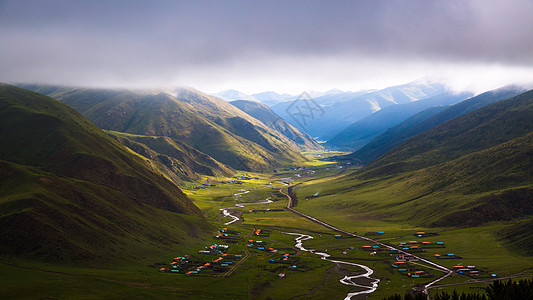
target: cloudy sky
<point>253,46</point>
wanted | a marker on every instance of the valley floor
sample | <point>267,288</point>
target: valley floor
<point>268,250</point>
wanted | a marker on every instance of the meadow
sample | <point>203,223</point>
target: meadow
<point>338,203</point>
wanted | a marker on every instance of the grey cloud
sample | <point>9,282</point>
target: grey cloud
<point>161,39</point>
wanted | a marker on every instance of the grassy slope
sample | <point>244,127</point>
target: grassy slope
<point>427,120</point>
<point>172,158</point>
<point>518,236</point>
<point>391,138</point>
<point>475,131</point>
<point>208,124</point>
<point>445,194</point>
<point>70,192</point>
<point>272,120</point>
<point>469,187</point>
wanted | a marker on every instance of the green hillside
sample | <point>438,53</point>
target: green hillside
<point>391,138</point>
<point>475,131</point>
<point>426,120</point>
<point>70,193</point>
<point>175,160</point>
<point>466,172</point>
<point>205,123</point>
<point>494,184</point>
<point>519,236</point>
<point>264,114</point>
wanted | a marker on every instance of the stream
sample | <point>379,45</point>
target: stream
<point>347,280</point>
<point>226,213</point>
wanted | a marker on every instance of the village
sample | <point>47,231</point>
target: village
<point>406,255</point>
<point>221,259</point>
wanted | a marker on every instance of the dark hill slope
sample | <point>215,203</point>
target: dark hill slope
<point>70,192</point>
<point>205,123</point>
<point>392,137</point>
<point>365,130</point>
<point>272,120</point>
<point>518,237</point>
<point>475,131</point>
<point>426,120</point>
<point>172,158</point>
<point>497,184</point>
<point>493,184</point>
<point>468,171</point>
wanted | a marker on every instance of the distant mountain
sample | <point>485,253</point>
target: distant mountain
<point>70,193</point>
<point>325,116</point>
<point>427,120</point>
<point>273,98</point>
<point>206,123</point>
<point>478,130</point>
<point>365,130</point>
<point>270,98</point>
<point>230,95</point>
<point>272,120</point>
<point>391,138</point>
<point>338,96</point>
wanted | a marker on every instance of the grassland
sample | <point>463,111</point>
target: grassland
<point>210,125</point>
<point>360,211</point>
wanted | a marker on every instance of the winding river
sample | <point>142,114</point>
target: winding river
<point>226,213</point>
<point>347,280</point>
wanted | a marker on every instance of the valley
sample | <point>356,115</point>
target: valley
<point>267,150</point>
<point>137,209</point>
<point>325,250</point>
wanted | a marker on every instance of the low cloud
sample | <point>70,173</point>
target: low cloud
<point>262,45</point>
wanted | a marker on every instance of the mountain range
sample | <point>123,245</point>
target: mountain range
<point>472,169</point>
<point>186,116</point>
<point>426,120</point>
<point>268,98</point>
<point>70,193</point>
<point>325,116</point>
<point>483,128</point>
<point>365,130</point>
<point>264,114</point>
<point>338,117</point>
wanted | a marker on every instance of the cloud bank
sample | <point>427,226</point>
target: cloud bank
<point>266,45</point>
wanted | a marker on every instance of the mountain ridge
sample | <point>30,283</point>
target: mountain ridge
<point>426,120</point>
<point>206,123</point>
<point>69,192</point>
<point>365,130</point>
<point>343,109</point>
<point>508,119</point>
<point>272,120</point>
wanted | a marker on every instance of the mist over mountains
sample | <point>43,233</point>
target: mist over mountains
<point>337,109</point>
<point>203,122</point>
